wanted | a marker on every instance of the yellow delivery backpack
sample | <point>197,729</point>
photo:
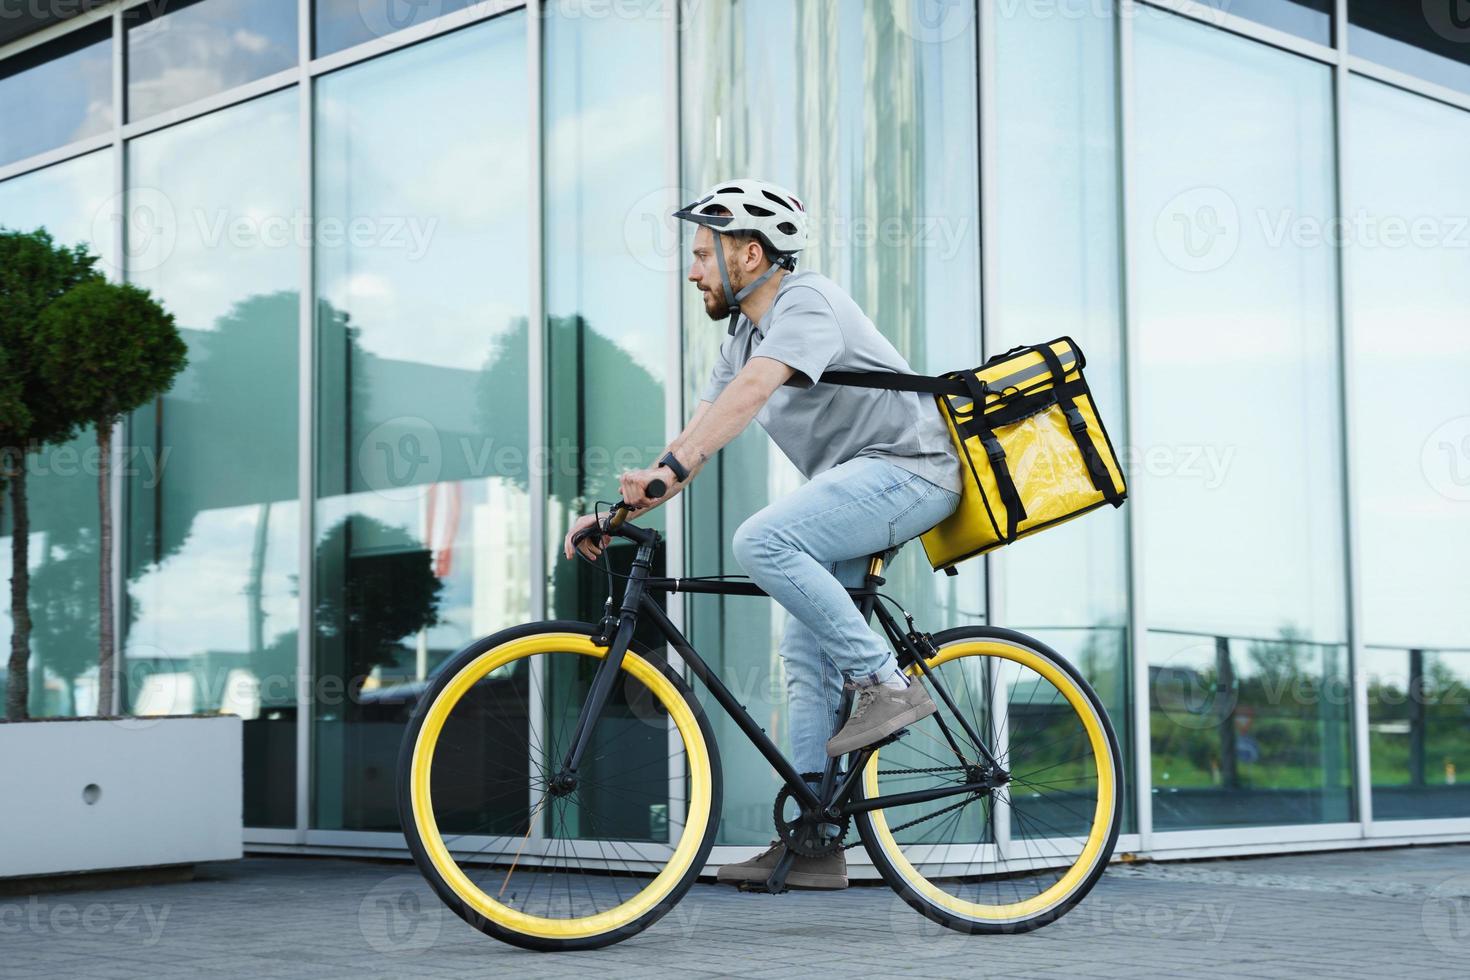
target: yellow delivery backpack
<point>1032,447</point>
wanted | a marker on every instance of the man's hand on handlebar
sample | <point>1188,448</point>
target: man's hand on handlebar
<point>591,544</point>
<point>635,484</point>
<point>585,535</point>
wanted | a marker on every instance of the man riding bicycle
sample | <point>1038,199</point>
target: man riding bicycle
<point>880,467</point>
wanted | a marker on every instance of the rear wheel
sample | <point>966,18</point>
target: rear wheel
<point>1019,856</point>
<point>540,865</point>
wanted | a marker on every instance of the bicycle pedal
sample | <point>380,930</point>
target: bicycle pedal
<point>890,739</point>
<point>760,888</point>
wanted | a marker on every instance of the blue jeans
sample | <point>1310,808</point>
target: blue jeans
<point>804,550</point>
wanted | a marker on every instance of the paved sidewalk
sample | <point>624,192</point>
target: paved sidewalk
<point>1389,913</point>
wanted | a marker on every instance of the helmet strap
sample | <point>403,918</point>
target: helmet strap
<point>732,298</point>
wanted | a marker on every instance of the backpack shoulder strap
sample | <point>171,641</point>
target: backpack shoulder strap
<point>921,383</point>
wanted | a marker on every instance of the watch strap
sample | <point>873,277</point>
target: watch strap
<point>672,462</point>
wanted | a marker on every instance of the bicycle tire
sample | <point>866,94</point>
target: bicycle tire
<point>938,893</point>
<point>415,789</point>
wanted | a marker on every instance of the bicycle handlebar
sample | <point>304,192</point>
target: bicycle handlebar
<point>655,489</point>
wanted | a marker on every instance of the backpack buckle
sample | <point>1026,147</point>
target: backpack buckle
<point>1075,421</point>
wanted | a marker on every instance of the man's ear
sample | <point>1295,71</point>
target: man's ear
<point>753,254</point>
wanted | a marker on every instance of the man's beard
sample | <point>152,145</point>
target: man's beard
<point>716,308</point>
<point>714,299</point>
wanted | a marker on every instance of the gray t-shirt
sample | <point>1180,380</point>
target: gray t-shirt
<point>813,326</point>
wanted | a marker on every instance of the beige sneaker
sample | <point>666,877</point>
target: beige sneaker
<point>879,712</point>
<point>828,872</point>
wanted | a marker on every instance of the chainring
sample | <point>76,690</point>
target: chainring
<point>801,836</point>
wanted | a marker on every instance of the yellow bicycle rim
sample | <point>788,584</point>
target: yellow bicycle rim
<point>701,783</point>
<point>1102,816</point>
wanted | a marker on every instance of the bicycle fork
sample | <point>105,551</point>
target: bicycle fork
<point>565,780</point>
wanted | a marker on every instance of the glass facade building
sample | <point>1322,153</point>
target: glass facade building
<point>433,302</point>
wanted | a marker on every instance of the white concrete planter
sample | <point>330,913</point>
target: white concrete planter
<point>100,794</point>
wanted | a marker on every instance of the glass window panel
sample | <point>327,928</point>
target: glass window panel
<point>180,52</point>
<point>1311,19</point>
<point>607,307</point>
<point>1430,40</point>
<point>212,551</point>
<point>606,282</point>
<point>422,521</point>
<point>343,23</point>
<point>1235,449</point>
<point>56,93</point>
<point>1409,267</point>
<point>1057,271</point>
<point>868,115</point>
<point>61,481</point>
<point>74,201</point>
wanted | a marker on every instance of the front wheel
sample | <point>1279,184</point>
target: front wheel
<point>1016,857</point>
<point>534,862</point>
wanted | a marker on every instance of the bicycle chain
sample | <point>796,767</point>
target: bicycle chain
<point>903,772</point>
<point>911,823</point>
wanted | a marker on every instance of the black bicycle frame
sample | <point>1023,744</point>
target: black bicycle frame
<point>638,599</point>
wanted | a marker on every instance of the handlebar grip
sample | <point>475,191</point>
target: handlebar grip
<point>655,488</point>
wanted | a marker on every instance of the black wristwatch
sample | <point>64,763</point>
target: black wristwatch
<point>672,462</point>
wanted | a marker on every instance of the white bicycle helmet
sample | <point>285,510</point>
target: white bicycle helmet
<point>758,207</point>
